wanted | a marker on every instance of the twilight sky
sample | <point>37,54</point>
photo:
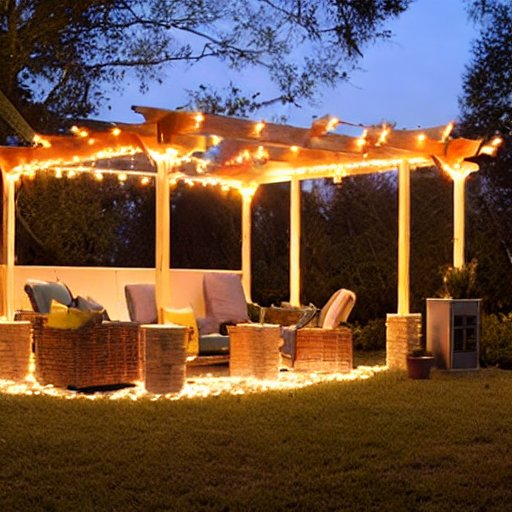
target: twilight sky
<point>412,80</point>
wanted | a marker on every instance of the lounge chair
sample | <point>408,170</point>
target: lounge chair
<point>97,354</point>
<point>225,304</point>
<point>326,346</point>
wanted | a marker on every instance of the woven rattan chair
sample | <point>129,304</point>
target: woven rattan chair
<point>326,347</point>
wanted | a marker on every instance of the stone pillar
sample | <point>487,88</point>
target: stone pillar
<point>402,335</point>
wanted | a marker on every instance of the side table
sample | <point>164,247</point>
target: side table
<point>254,350</point>
<point>15,348</point>
<point>164,358</point>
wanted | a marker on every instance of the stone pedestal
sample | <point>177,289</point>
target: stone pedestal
<point>402,335</point>
<point>164,357</point>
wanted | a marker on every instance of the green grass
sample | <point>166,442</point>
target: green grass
<point>384,444</point>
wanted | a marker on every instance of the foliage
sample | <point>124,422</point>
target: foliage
<point>205,227</point>
<point>60,59</point>
<point>350,445</point>
<point>459,283</point>
<point>420,352</point>
<point>81,221</point>
<point>271,242</point>
<point>486,108</point>
<point>371,336</point>
<point>496,340</point>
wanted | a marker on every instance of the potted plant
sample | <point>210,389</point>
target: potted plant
<point>419,363</point>
<point>459,283</point>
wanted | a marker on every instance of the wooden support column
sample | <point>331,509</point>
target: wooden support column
<point>247,195</point>
<point>295,242</point>
<point>8,247</point>
<point>404,202</point>
<point>403,330</point>
<point>459,182</point>
<point>162,239</point>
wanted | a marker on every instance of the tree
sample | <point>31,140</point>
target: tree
<point>486,108</point>
<point>61,59</point>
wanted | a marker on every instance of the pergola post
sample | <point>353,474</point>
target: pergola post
<point>246,242</point>
<point>404,235</point>
<point>403,329</point>
<point>459,182</point>
<point>162,239</point>
<point>295,241</point>
<point>8,247</point>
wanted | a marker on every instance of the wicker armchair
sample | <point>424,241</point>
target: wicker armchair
<point>326,347</point>
<point>99,354</point>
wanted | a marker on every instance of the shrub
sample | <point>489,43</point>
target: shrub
<point>372,336</point>
<point>496,340</point>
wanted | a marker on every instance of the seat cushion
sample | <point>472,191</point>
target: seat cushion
<point>224,298</point>
<point>339,309</point>
<point>213,344</point>
<point>41,294</point>
<point>186,317</point>
<point>141,303</point>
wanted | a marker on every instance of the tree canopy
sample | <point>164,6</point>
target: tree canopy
<point>65,58</point>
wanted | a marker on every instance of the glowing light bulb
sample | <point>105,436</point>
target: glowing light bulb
<point>198,118</point>
<point>98,176</point>
<point>421,138</point>
<point>122,177</point>
<point>331,125</point>
<point>144,180</point>
<point>259,127</point>
<point>116,131</point>
<point>294,149</point>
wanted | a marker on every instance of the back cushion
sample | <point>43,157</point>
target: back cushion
<point>339,309</point>
<point>141,303</point>
<point>186,317</point>
<point>224,298</point>
<point>41,294</point>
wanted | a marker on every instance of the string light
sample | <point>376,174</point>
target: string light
<point>116,131</point>
<point>144,180</point>
<point>258,128</point>
<point>331,125</point>
<point>198,118</point>
<point>122,177</point>
<point>361,141</point>
<point>294,149</point>
<point>41,141</point>
<point>99,176</point>
<point>421,138</point>
<point>383,135</point>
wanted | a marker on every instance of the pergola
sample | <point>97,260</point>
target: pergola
<point>243,154</point>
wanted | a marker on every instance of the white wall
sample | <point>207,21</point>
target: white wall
<point>106,285</point>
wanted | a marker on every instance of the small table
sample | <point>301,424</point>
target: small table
<point>164,357</point>
<point>15,348</point>
<point>254,350</point>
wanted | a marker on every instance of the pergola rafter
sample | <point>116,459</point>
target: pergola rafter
<point>212,149</point>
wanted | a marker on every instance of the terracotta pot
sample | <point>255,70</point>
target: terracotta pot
<point>419,367</point>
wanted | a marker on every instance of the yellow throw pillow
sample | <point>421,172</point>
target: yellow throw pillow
<point>185,317</point>
<point>62,317</point>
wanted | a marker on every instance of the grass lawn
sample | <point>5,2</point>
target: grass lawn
<point>384,444</point>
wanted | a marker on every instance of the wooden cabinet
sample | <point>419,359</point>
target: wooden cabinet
<point>453,332</point>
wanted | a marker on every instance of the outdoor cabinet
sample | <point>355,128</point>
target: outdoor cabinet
<point>453,332</point>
